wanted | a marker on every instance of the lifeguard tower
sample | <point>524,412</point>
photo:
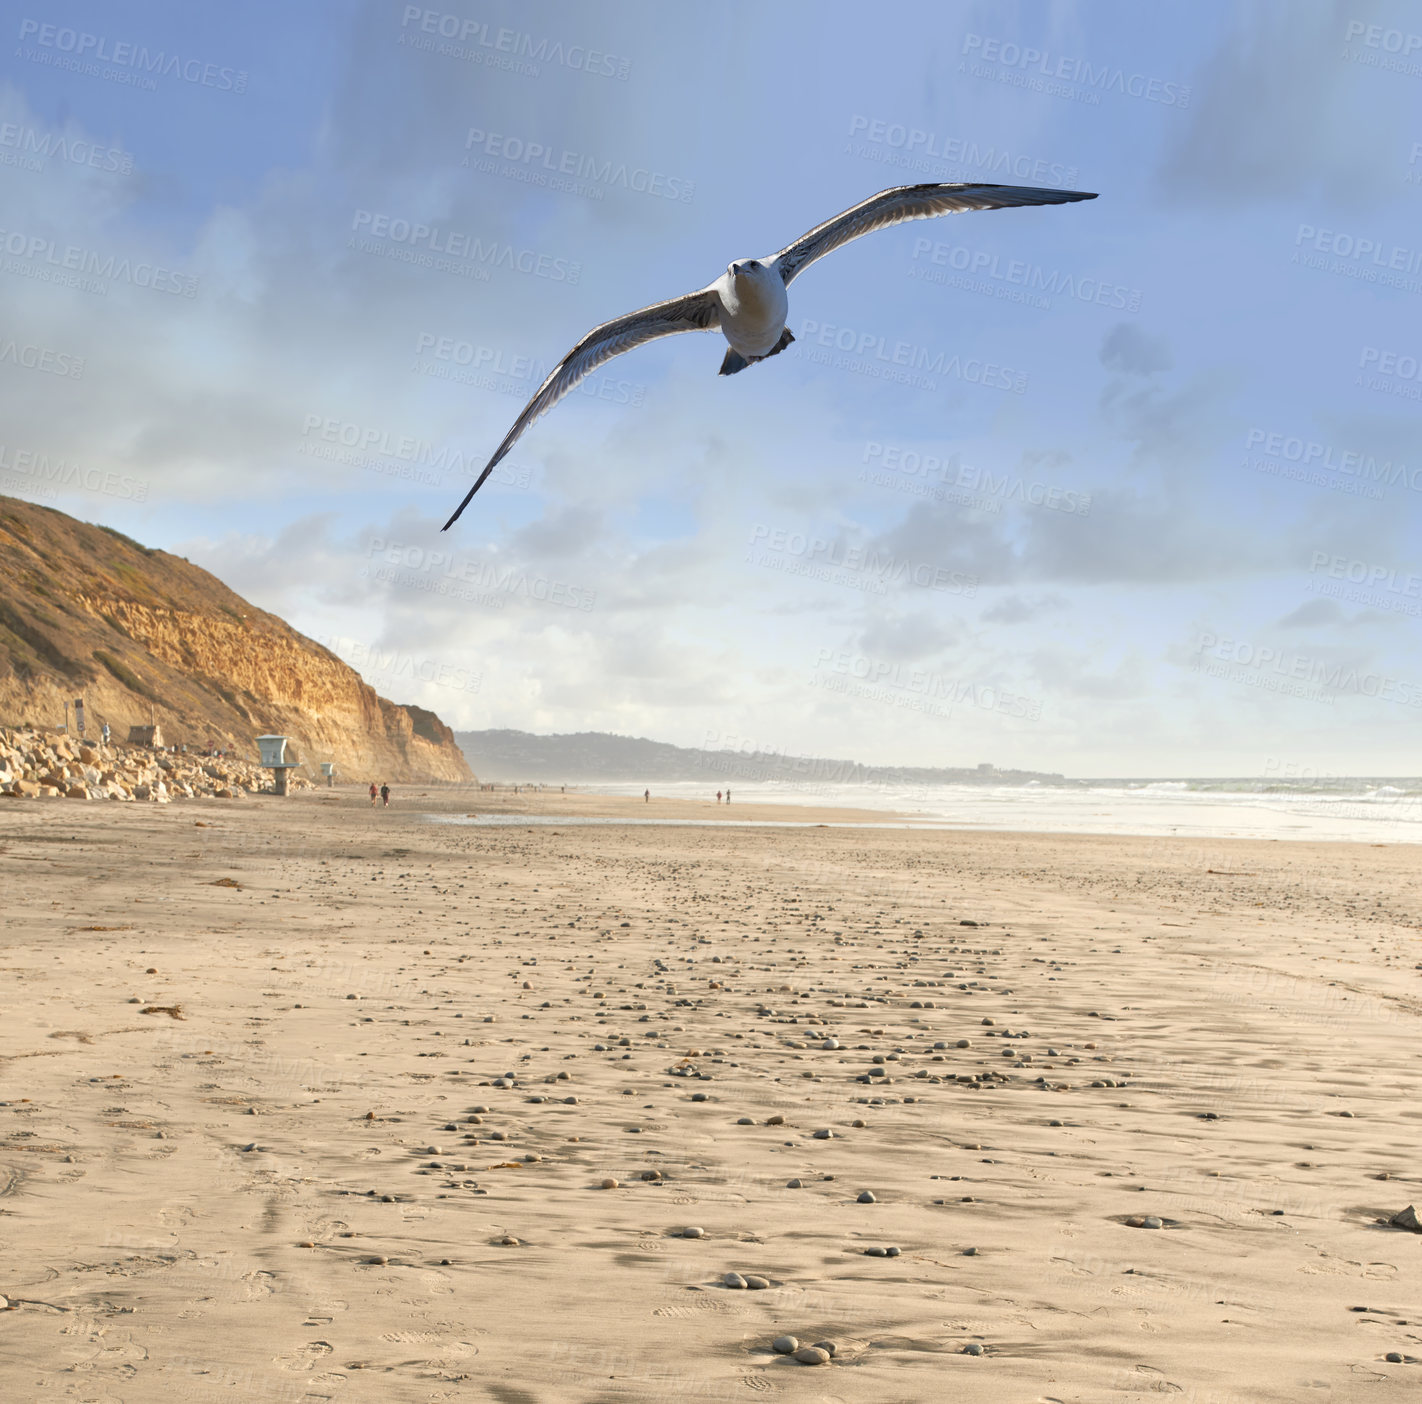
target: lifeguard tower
<point>273,749</point>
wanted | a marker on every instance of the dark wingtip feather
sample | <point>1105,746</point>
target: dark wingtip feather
<point>469,496</point>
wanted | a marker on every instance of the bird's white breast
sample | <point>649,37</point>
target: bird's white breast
<point>754,307</point>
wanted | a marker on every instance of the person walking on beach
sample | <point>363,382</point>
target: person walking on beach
<point>647,796</point>
<point>718,797</point>
<point>373,793</point>
<point>385,795</point>
<point>728,796</point>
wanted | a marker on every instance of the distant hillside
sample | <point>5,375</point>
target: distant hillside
<point>139,633</point>
<point>591,756</point>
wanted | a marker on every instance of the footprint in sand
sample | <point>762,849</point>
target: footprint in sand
<point>258,1284</point>
<point>306,1359</point>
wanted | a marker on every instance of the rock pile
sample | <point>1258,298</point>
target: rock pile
<point>51,765</point>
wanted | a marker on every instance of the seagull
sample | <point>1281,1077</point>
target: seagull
<point>748,302</point>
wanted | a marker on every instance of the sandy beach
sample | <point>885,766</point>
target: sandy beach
<point>303,1102</point>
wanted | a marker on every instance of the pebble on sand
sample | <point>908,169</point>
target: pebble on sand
<point>757,1284</point>
<point>972,1348</point>
<point>866,1197</point>
<point>1407,1219</point>
<point>733,1280</point>
<point>609,1183</point>
<point>812,1355</point>
<point>785,1345</point>
<point>823,1134</point>
<point>794,1184</point>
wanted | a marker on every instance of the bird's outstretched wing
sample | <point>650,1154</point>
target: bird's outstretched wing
<point>911,202</point>
<point>697,311</point>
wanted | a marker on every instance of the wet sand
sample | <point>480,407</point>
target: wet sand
<point>243,1042</point>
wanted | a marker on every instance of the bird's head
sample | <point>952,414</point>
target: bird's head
<point>741,269</point>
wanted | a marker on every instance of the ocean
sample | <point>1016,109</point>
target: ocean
<point>1358,811</point>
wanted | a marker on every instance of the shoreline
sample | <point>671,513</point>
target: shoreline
<point>577,805</point>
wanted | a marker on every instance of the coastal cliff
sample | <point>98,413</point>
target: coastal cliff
<point>147,637</point>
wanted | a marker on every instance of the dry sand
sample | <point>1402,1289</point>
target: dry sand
<point>236,1159</point>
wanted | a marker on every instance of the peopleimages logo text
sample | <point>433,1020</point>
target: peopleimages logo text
<point>1395,258</point>
<point>880,680</point>
<point>884,568</point>
<point>489,575</point>
<point>575,165</point>
<point>905,361</point>
<point>369,439</point>
<point>990,160</point>
<point>428,240</point>
<point>41,255</point>
<point>30,142</point>
<point>394,663</point>
<point>1294,448</point>
<point>953,473</point>
<point>1030,277</point>
<point>474,39</point>
<point>81,47</point>
<point>492,368</point>
<point>1287,666</point>
<point>30,356</point>
<point>1099,77</point>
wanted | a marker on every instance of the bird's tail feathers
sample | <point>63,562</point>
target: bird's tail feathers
<point>736,362</point>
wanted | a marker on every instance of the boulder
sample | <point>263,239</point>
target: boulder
<point>76,792</point>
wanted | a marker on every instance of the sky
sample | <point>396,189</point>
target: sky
<point>1130,487</point>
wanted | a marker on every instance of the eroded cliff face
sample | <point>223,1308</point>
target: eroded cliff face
<point>145,636</point>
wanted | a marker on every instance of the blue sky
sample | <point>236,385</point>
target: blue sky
<point>1126,487</point>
